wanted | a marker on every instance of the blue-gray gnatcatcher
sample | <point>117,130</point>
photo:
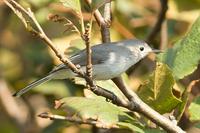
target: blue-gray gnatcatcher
<point>109,60</point>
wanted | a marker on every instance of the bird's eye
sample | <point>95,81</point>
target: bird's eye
<point>141,48</point>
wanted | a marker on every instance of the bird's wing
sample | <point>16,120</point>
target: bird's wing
<point>100,54</point>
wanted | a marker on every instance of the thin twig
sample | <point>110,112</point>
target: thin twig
<point>121,85</point>
<point>161,18</point>
<point>82,24</point>
<point>192,84</point>
<point>139,106</point>
<point>105,32</point>
<point>102,22</point>
<point>187,98</point>
<point>86,38</point>
<point>15,5</point>
<point>62,58</point>
<point>44,37</point>
<point>67,22</point>
<point>50,116</point>
<point>135,103</point>
<point>111,96</point>
<point>107,11</point>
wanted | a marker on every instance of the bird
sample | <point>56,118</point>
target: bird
<point>109,60</point>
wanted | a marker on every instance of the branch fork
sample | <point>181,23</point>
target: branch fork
<point>134,103</point>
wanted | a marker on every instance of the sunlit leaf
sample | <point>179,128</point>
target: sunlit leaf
<point>104,113</point>
<point>194,110</point>
<point>157,90</point>
<point>107,85</point>
<point>184,57</point>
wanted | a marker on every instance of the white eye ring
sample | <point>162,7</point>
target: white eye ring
<point>141,48</point>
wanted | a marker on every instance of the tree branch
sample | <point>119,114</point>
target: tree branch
<point>105,32</point>
<point>103,21</point>
<point>97,90</point>
<point>161,18</point>
<point>50,116</point>
<point>86,38</point>
<point>135,103</point>
<point>67,22</point>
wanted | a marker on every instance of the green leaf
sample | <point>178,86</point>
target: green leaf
<point>181,107</point>
<point>106,114</point>
<point>194,110</point>
<point>157,91</point>
<point>73,4</point>
<point>184,57</point>
<point>131,127</point>
<point>107,85</point>
<point>139,130</point>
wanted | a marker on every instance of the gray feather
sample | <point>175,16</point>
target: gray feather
<point>102,59</point>
<point>32,85</point>
<point>100,54</point>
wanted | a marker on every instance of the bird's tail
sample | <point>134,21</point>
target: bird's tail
<point>32,85</point>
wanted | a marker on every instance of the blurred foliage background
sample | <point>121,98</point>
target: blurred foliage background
<point>24,58</point>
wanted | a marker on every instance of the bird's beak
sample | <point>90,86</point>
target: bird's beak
<point>157,51</point>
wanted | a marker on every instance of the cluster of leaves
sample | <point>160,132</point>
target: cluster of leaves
<point>181,61</point>
<point>157,91</point>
